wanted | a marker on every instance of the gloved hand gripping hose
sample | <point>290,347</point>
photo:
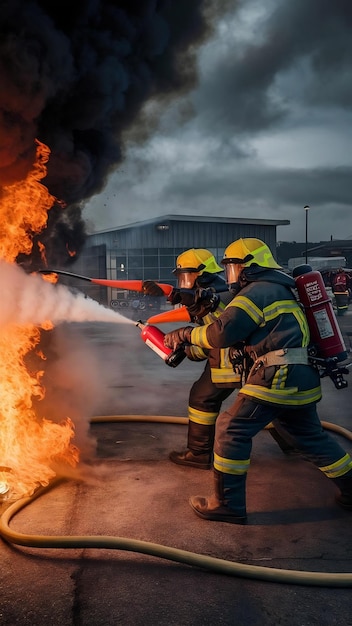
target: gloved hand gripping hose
<point>221,566</point>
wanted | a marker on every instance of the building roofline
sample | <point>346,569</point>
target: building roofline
<point>334,243</point>
<point>193,218</point>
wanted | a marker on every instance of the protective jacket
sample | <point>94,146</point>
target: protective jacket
<point>221,368</point>
<point>340,282</point>
<point>266,315</point>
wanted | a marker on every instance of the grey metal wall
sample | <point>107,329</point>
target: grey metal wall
<point>183,235</point>
<point>149,252</point>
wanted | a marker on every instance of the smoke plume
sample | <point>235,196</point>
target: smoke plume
<point>75,76</point>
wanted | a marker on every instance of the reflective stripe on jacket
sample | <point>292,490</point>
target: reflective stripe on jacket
<point>222,373</point>
<point>266,315</point>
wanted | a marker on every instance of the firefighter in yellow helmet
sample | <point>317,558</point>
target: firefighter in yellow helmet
<point>204,292</point>
<point>281,385</point>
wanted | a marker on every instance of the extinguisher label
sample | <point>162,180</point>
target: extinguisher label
<point>323,324</point>
<point>156,349</point>
<point>313,291</point>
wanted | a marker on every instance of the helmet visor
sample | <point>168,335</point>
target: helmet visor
<point>186,280</point>
<point>232,272</point>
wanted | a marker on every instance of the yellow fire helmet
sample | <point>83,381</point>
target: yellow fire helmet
<point>197,260</point>
<point>250,251</point>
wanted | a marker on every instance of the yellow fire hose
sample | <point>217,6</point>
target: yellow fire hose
<point>221,566</point>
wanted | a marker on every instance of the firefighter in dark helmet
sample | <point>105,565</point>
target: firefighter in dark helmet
<point>205,294</point>
<point>281,384</point>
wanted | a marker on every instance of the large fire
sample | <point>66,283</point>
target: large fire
<point>30,448</point>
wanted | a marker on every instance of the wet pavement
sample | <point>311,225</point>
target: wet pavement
<point>137,551</point>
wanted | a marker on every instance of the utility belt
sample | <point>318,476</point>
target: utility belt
<point>283,356</point>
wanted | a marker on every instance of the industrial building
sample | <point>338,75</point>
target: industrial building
<point>148,249</point>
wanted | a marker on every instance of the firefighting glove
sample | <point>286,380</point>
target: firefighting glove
<point>182,296</point>
<point>174,297</point>
<point>206,301</point>
<point>237,356</point>
<point>176,338</point>
<point>150,288</point>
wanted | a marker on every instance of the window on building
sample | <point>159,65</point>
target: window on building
<point>135,260</point>
<point>167,277</point>
<point>135,273</point>
<point>151,274</point>
<point>121,260</point>
<point>167,260</point>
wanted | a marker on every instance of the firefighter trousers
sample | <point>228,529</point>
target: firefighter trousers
<point>204,405</point>
<point>236,427</point>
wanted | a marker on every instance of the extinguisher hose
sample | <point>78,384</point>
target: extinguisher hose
<point>221,566</point>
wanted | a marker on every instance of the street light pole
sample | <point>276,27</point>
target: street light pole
<point>306,208</point>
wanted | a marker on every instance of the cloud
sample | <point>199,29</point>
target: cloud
<point>267,129</point>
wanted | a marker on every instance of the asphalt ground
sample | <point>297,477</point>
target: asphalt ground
<point>129,492</point>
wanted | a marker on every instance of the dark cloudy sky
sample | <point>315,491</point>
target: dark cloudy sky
<point>266,131</point>
<point>154,107</point>
<point>75,76</point>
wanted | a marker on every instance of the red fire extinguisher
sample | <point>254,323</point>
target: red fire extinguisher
<point>154,338</point>
<point>326,338</point>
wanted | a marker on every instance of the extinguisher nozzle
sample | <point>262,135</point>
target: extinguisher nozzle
<point>176,357</point>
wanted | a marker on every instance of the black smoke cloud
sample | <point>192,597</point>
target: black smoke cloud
<point>75,75</point>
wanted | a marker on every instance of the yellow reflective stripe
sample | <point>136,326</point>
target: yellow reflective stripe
<point>201,417</point>
<point>303,324</point>
<point>224,375</point>
<point>289,397</point>
<point>289,307</point>
<point>209,318</point>
<point>280,307</point>
<point>213,316</point>
<point>228,466</point>
<point>339,468</point>
<point>225,358</point>
<point>199,336</point>
<point>198,353</point>
<point>241,302</point>
<point>222,307</point>
<point>280,378</point>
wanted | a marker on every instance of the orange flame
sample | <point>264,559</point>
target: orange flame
<point>30,447</point>
<point>24,209</point>
<point>71,253</point>
<point>42,252</point>
<point>50,278</point>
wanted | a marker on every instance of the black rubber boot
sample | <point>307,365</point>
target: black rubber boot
<point>228,502</point>
<point>199,452</point>
<point>344,499</point>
